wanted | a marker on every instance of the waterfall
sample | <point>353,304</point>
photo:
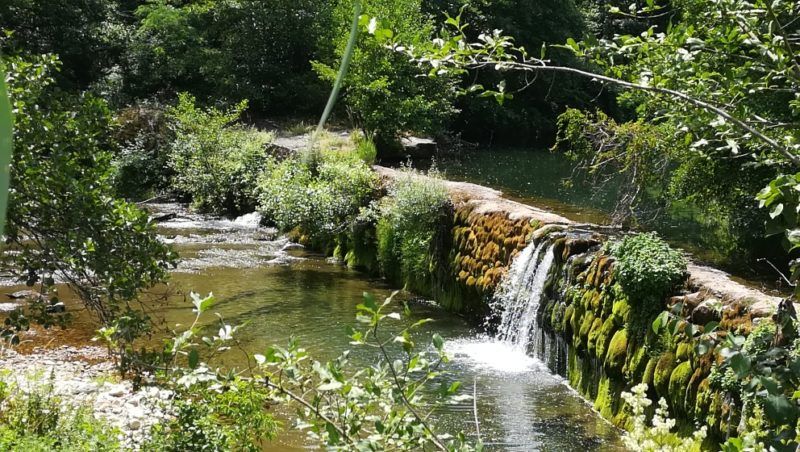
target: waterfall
<point>517,299</point>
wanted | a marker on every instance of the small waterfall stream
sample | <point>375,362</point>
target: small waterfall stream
<point>517,299</point>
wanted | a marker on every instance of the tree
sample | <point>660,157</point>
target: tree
<point>64,225</point>
<point>384,93</point>
<point>724,74</point>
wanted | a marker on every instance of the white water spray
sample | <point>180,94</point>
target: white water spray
<point>519,295</point>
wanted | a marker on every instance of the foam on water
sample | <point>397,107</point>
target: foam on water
<point>489,353</point>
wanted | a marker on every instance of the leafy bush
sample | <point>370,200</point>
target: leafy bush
<point>647,268</point>
<point>231,416</point>
<point>321,203</point>
<point>62,219</point>
<point>35,419</point>
<point>216,162</point>
<point>408,221</point>
<point>366,150</point>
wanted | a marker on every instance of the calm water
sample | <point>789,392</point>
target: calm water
<point>537,177</point>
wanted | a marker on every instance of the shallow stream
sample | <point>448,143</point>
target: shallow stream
<point>278,292</point>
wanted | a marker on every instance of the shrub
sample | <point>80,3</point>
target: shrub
<point>320,203</point>
<point>36,419</point>
<point>365,149</point>
<point>385,93</point>
<point>215,161</point>
<point>229,416</point>
<point>657,436</point>
<point>63,221</point>
<point>408,222</point>
<point>647,268</point>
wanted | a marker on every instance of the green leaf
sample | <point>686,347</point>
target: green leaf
<point>194,359</point>
<point>740,364</point>
<point>333,434</point>
<point>438,342</point>
<point>780,410</point>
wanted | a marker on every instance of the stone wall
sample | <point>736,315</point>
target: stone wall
<point>589,333</point>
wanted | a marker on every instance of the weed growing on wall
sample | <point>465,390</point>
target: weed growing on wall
<point>648,270</point>
<point>408,220</point>
<point>319,202</point>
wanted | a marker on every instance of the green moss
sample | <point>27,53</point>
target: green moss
<point>621,310</point>
<point>678,384</point>
<point>586,326</point>
<point>636,365</point>
<point>683,351</point>
<point>609,400</point>
<point>663,373</point>
<point>597,325</point>
<point>649,372</point>
<point>557,317</point>
<point>566,322</point>
<point>604,337</point>
<point>617,353</point>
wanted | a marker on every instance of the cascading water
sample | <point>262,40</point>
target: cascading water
<point>517,299</point>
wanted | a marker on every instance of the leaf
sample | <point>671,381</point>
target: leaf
<point>438,342</point>
<point>779,409</point>
<point>661,320</point>
<point>776,211</point>
<point>194,359</point>
<point>740,364</point>
<point>333,434</point>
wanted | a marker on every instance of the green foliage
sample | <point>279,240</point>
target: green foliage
<point>366,150</point>
<point>384,92</point>
<point>321,203</point>
<point>230,416</point>
<point>216,161</point>
<point>656,435</point>
<point>230,50</point>
<point>379,407</point>
<point>409,219</point>
<point>35,419</point>
<point>647,268</point>
<point>62,219</point>
<point>6,146</point>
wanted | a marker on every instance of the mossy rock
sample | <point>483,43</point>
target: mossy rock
<point>663,373</point>
<point>609,400</point>
<point>566,322</point>
<point>597,325</point>
<point>678,385</point>
<point>557,317</point>
<point>617,353</point>
<point>604,337</point>
<point>636,364</point>
<point>621,310</point>
<point>586,326</point>
<point>649,372</point>
<point>683,352</point>
<point>575,322</point>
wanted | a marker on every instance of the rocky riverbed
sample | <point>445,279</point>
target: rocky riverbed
<point>85,377</point>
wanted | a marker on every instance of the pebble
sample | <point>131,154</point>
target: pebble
<point>75,380</point>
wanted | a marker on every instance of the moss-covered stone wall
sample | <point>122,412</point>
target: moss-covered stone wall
<point>483,247</point>
<point>588,329</point>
